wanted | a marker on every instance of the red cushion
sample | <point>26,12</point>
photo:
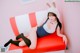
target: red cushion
<point>48,43</point>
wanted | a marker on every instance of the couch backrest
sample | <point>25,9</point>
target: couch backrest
<point>23,23</point>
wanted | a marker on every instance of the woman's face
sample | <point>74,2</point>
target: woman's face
<point>52,17</point>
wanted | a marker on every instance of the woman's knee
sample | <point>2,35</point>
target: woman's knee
<point>22,43</point>
<point>33,43</point>
<point>32,47</point>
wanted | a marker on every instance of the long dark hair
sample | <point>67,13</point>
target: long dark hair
<point>59,23</point>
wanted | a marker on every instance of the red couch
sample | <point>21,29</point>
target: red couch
<point>48,43</point>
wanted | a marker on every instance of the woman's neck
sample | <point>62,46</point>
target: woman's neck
<point>53,22</point>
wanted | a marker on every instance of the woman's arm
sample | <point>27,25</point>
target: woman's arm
<point>61,35</point>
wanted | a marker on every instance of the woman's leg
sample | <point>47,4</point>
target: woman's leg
<point>13,42</point>
<point>32,37</point>
<point>25,40</point>
<point>22,43</point>
<point>17,43</point>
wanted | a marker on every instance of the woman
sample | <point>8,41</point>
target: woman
<point>51,25</point>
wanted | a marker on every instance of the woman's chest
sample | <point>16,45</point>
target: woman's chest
<point>51,25</point>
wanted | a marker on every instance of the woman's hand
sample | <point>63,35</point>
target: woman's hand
<point>64,39</point>
<point>61,35</point>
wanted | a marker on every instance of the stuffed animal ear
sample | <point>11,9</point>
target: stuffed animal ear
<point>51,4</point>
<point>48,5</point>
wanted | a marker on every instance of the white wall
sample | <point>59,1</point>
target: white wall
<point>71,21</point>
<point>71,12</point>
